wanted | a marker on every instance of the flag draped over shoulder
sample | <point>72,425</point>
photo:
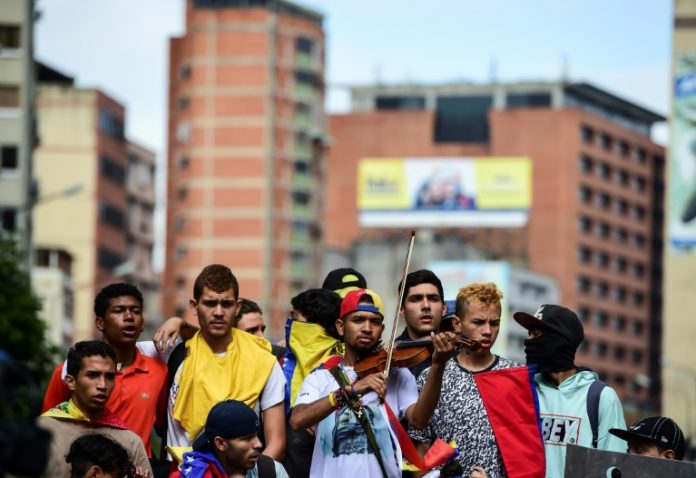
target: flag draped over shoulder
<point>308,346</point>
<point>69,411</point>
<point>512,405</point>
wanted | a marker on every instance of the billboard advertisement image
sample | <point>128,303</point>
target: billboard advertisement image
<point>444,192</point>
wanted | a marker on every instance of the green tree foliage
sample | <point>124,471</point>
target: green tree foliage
<point>22,332</point>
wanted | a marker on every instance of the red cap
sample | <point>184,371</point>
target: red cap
<point>351,302</point>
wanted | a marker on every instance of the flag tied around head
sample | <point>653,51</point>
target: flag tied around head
<point>511,402</point>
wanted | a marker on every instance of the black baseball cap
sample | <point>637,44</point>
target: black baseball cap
<point>560,319</point>
<point>661,430</point>
<point>344,280</point>
<point>228,419</point>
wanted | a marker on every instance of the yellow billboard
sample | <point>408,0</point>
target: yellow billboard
<point>476,192</point>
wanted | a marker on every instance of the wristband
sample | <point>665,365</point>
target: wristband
<point>332,400</point>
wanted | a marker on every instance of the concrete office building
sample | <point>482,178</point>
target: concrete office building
<point>246,132</point>
<point>102,227</point>
<point>679,371</point>
<point>17,119</point>
<point>597,198</point>
<point>51,277</point>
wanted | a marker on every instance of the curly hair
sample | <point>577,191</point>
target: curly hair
<point>217,278</point>
<point>112,291</point>
<point>485,293</point>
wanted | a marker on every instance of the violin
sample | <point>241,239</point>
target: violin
<point>405,354</point>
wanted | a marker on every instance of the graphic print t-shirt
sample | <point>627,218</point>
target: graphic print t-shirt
<point>341,447</point>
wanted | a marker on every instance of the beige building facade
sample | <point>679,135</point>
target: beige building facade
<point>679,328</point>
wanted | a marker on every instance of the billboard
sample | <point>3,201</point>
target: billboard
<point>444,192</point>
<point>681,212</point>
<point>456,274</point>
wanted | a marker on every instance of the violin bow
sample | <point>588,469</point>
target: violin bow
<point>407,264</point>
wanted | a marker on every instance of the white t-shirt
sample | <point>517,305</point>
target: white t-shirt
<point>272,394</point>
<point>341,447</point>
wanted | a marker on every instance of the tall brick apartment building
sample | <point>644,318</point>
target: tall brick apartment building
<point>597,201</point>
<point>246,134</point>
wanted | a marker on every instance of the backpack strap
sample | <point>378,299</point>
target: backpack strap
<point>266,467</point>
<point>175,359</point>
<point>593,395</point>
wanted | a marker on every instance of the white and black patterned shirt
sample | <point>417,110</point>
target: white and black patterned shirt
<point>460,416</point>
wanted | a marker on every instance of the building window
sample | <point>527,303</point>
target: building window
<point>639,155</point>
<point>638,270</point>
<point>8,219</point>
<point>624,149</point>
<point>180,253</point>
<point>183,133</point>
<point>637,328</point>
<point>583,284</point>
<point>639,241</point>
<point>605,141</point>
<point>586,164</point>
<point>304,45</point>
<point>182,193</point>
<point>586,134</point>
<point>528,100</point>
<point>621,235</point>
<point>183,162</point>
<point>183,102</point>
<point>584,224</point>
<point>184,72</point>
<point>301,198</point>
<point>604,201</point>
<point>620,323</point>
<point>401,102</point>
<point>111,124</point>
<point>602,259</point>
<point>9,37</point>
<point>600,349</point>
<point>620,294</point>
<point>620,265</point>
<point>601,319</point>
<point>584,254</point>
<point>639,184</point>
<point>111,215</point>
<point>9,97</point>
<point>638,299</point>
<point>602,289</point>
<point>111,170</point>
<point>637,357</point>
<point>585,194</point>
<point>603,230</point>
<point>462,119</point>
<point>604,171</point>
<point>583,313</point>
<point>108,259</point>
<point>179,223</point>
<point>623,177</point>
<point>619,353</point>
<point>638,213</point>
<point>622,206</point>
<point>8,158</point>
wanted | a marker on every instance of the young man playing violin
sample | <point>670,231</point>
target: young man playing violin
<point>422,307</point>
<point>460,414</point>
<point>354,437</point>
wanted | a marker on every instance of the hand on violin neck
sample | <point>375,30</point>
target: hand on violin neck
<point>444,344</point>
<point>375,382</point>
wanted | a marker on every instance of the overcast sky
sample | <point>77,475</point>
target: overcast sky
<point>624,46</point>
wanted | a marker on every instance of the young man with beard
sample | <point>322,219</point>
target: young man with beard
<point>460,414</point>
<point>354,437</point>
<point>555,333</point>
<point>224,363</point>
<point>139,396</point>
<point>229,447</point>
<point>422,308</point>
<point>91,373</point>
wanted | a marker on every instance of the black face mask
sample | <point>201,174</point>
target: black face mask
<point>550,352</point>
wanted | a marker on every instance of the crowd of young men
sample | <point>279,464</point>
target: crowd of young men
<point>227,404</point>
